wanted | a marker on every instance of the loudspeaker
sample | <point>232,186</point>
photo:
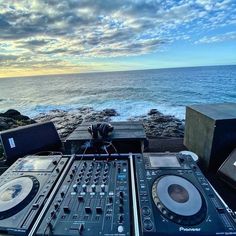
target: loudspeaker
<point>227,171</point>
<point>29,139</point>
<point>210,132</point>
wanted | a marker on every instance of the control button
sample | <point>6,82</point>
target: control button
<point>56,205</point>
<point>71,175</point>
<point>88,210</point>
<point>146,211</point>
<point>220,210</point>
<point>81,228</point>
<point>103,188</point>
<point>66,209</point>
<point>119,169</point>
<point>93,187</point>
<point>57,170</point>
<point>148,225</point>
<point>81,198</point>
<point>121,209</point>
<point>120,229</point>
<point>121,200</point>
<point>62,194</point>
<point>35,205</point>
<point>53,214</point>
<point>121,219</point>
<point>99,210</point>
<point>84,187</point>
<point>181,159</point>
<point>121,194</point>
<point>54,162</point>
<point>75,187</point>
<point>110,199</point>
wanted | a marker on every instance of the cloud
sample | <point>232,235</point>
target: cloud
<point>70,30</point>
<point>230,36</point>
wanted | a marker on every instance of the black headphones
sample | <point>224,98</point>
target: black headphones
<point>102,129</point>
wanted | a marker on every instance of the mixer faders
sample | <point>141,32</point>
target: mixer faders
<point>94,199</point>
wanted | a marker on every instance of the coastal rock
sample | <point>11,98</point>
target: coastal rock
<point>12,119</point>
<point>67,121</point>
<point>153,112</point>
<point>155,123</point>
<point>158,125</point>
<point>14,114</point>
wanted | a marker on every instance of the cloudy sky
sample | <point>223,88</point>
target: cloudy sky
<point>70,36</point>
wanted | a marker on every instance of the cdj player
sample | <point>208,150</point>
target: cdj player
<point>175,198</point>
<point>93,200</point>
<point>24,187</point>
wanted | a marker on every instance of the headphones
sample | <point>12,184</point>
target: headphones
<point>102,129</point>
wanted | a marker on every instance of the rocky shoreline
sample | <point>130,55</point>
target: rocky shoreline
<point>155,123</point>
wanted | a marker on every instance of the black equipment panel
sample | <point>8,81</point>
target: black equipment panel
<point>174,198</point>
<point>93,200</point>
<point>24,189</point>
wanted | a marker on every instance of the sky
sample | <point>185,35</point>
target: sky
<point>72,36</point>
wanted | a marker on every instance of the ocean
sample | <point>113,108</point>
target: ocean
<point>131,93</point>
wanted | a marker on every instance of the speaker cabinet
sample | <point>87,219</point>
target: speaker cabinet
<point>29,139</point>
<point>210,132</point>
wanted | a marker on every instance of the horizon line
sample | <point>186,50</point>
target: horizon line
<point>93,72</point>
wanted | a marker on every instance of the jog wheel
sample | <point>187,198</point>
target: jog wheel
<point>16,195</point>
<point>179,200</point>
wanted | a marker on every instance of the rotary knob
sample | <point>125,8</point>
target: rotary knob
<point>147,225</point>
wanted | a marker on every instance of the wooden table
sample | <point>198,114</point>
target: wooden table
<point>128,136</point>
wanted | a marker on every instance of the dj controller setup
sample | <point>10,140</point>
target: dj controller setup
<point>128,194</point>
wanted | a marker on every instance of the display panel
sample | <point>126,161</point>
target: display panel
<point>37,164</point>
<point>167,160</point>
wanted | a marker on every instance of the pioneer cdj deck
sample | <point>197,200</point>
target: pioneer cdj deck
<point>174,198</point>
<point>24,187</point>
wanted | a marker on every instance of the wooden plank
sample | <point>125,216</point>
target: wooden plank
<point>122,131</point>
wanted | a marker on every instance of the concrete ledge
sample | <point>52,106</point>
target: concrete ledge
<point>166,145</point>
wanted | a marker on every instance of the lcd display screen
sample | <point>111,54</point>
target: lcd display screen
<point>37,164</point>
<point>167,160</point>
